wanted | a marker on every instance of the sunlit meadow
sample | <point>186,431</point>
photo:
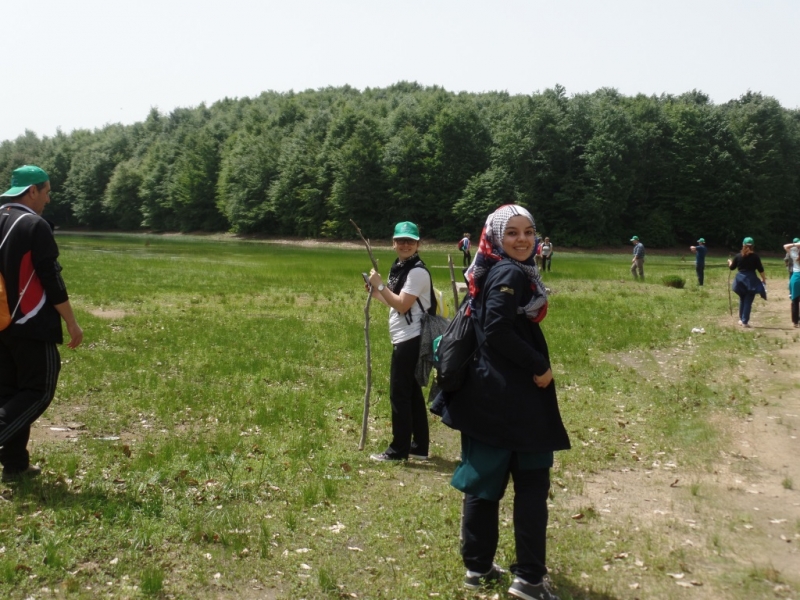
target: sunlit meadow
<point>203,440</point>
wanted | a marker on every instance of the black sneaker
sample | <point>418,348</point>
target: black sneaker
<point>29,473</point>
<point>527,591</point>
<point>385,457</point>
<point>473,580</point>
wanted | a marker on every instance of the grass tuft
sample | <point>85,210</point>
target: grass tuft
<point>152,581</point>
<point>673,281</point>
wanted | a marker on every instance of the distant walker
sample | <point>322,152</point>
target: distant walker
<point>637,264</point>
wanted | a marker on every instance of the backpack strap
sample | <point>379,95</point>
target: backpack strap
<point>10,229</point>
<point>432,309</point>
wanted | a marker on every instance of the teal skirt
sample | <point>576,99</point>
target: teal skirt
<point>484,469</point>
<point>794,285</point>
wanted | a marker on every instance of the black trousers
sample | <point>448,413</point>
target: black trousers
<point>700,274</point>
<point>467,258</point>
<point>28,376</point>
<point>796,310</point>
<point>409,413</point>
<point>480,529</point>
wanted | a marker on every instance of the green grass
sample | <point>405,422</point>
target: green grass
<point>232,375</point>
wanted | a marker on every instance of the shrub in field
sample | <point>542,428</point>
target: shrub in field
<point>675,281</point>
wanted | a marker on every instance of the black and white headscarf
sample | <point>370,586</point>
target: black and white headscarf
<point>490,252</point>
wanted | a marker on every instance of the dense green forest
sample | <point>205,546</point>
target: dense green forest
<point>595,168</point>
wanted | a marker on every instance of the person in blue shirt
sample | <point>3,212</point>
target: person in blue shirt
<point>637,264</point>
<point>700,259</point>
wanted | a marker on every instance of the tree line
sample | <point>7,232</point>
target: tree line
<point>594,168</point>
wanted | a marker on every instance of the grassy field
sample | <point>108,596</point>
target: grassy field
<point>203,441</point>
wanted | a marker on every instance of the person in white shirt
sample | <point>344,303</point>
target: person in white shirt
<point>465,245</point>
<point>547,254</point>
<point>408,294</point>
<point>793,252</point>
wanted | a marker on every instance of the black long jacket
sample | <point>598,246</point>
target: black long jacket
<point>499,403</point>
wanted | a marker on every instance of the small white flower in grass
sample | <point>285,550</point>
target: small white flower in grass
<point>217,575</point>
<point>207,555</point>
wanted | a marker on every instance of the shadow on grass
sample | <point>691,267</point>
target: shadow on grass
<point>434,463</point>
<point>56,495</point>
<point>562,587</point>
<point>568,590</point>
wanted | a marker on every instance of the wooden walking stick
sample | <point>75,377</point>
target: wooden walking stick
<point>730,302</point>
<point>365,418</point>
<point>453,283</point>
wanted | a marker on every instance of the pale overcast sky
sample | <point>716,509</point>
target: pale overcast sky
<point>84,63</point>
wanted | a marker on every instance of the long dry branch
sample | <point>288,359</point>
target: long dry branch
<point>367,244</point>
<point>453,283</point>
<point>365,418</point>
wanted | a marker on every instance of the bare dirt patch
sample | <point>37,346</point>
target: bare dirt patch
<point>743,510</point>
<point>110,314</point>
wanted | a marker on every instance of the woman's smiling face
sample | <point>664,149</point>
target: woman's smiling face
<point>405,247</point>
<point>519,238</point>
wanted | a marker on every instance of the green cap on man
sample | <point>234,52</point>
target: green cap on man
<point>748,241</point>
<point>406,229</point>
<point>23,178</point>
<point>701,241</point>
<point>635,238</point>
<point>796,241</point>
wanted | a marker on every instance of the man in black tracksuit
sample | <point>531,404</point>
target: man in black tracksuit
<point>37,301</point>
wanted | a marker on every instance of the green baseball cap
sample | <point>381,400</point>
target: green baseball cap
<point>635,238</point>
<point>23,178</point>
<point>701,241</point>
<point>406,229</point>
<point>796,241</point>
<point>748,241</point>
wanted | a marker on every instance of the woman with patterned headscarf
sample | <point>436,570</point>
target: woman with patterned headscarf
<point>507,410</point>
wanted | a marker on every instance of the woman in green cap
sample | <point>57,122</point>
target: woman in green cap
<point>408,293</point>
<point>746,284</point>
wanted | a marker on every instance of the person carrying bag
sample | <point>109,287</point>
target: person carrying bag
<point>507,409</point>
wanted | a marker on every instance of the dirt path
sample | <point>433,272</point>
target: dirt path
<point>738,519</point>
